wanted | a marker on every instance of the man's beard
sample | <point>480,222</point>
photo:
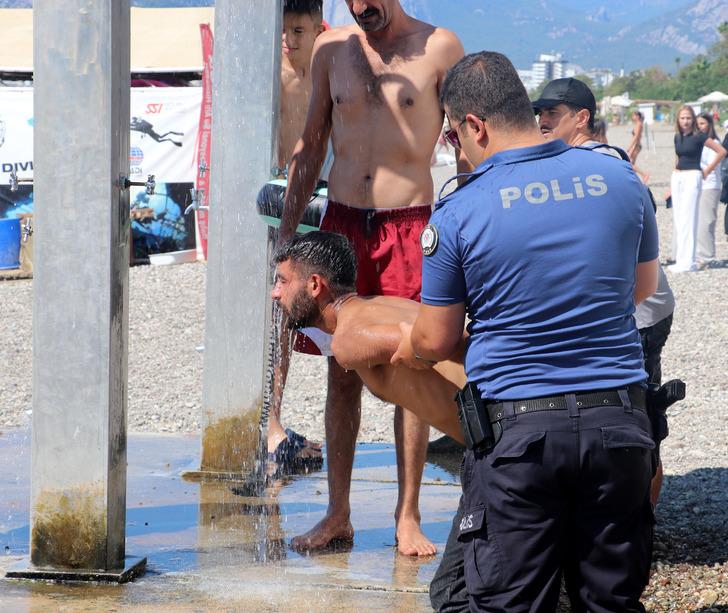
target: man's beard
<point>371,25</point>
<point>304,311</point>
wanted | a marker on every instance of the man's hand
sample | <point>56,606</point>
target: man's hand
<point>405,354</point>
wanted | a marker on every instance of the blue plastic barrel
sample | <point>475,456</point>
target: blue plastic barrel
<point>9,243</point>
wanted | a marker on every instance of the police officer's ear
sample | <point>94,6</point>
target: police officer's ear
<point>478,128</point>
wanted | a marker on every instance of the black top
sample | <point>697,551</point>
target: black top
<point>688,148</point>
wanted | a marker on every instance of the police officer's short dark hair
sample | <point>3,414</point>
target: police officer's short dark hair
<point>323,253</point>
<point>304,7</point>
<point>487,85</point>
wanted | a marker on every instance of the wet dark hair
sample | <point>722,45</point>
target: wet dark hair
<point>487,85</point>
<point>323,253</point>
<point>709,118</point>
<point>304,7</point>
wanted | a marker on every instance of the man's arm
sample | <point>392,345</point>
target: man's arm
<point>438,331</point>
<point>645,280</point>
<point>451,51</point>
<point>720,154</point>
<point>310,151</point>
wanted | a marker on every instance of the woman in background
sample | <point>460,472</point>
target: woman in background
<point>686,185</point>
<point>599,133</point>
<point>709,195</point>
<point>635,146</point>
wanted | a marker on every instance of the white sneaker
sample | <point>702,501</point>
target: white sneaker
<point>675,268</point>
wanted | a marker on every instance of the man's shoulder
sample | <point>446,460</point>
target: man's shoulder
<point>444,43</point>
<point>443,36</point>
<point>585,153</point>
<point>338,34</point>
<point>331,39</point>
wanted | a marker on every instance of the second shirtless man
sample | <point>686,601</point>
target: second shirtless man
<point>376,94</point>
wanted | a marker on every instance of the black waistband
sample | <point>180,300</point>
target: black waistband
<point>584,400</point>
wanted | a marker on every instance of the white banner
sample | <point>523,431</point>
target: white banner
<point>16,133</point>
<point>164,123</point>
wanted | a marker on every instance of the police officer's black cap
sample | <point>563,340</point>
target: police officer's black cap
<point>566,91</point>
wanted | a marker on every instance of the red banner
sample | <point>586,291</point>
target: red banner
<point>203,150</point>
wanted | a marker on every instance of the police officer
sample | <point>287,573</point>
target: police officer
<point>566,110</point>
<point>546,248</point>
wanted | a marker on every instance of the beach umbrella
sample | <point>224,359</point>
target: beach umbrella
<point>623,101</point>
<point>715,96</point>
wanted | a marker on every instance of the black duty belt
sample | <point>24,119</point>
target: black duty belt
<point>585,400</point>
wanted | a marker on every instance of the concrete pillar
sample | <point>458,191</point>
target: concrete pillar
<point>80,289</point>
<point>246,86</point>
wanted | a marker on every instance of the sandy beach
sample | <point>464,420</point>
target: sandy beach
<point>165,383</point>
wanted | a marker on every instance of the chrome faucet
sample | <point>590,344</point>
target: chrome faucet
<point>150,184</point>
<point>14,180</point>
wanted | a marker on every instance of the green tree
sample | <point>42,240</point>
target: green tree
<point>718,55</point>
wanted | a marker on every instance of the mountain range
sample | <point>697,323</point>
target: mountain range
<point>619,34</point>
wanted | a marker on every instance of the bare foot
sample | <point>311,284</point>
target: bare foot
<point>411,541</point>
<point>328,531</point>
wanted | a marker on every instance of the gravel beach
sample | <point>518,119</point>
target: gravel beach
<point>165,382</point>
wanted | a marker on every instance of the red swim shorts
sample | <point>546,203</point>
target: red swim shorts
<point>387,247</point>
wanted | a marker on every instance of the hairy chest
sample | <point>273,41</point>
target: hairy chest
<point>364,79</point>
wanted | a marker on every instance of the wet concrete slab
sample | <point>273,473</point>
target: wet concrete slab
<point>209,548</point>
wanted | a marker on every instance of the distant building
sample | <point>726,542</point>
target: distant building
<point>547,67</point>
<point>601,77</point>
<point>551,66</point>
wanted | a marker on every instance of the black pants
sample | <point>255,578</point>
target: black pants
<point>653,340</point>
<point>448,593</point>
<point>530,515</point>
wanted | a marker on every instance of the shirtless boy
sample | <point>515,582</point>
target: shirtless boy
<point>376,93</point>
<point>315,285</point>
<point>302,23</point>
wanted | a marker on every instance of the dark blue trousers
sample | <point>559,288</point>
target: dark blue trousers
<point>564,493</point>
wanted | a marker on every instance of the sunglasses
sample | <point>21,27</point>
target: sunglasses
<point>451,136</point>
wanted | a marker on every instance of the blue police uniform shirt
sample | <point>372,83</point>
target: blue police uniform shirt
<point>541,245</point>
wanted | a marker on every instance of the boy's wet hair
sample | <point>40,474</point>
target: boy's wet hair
<point>326,254</point>
<point>304,7</point>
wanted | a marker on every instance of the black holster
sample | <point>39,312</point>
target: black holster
<point>474,419</point>
<point>657,400</point>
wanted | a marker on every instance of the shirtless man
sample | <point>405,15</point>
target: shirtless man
<point>315,285</point>
<point>376,93</point>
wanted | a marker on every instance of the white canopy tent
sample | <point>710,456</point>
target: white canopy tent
<point>162,40</point>
<point>713,97</point>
